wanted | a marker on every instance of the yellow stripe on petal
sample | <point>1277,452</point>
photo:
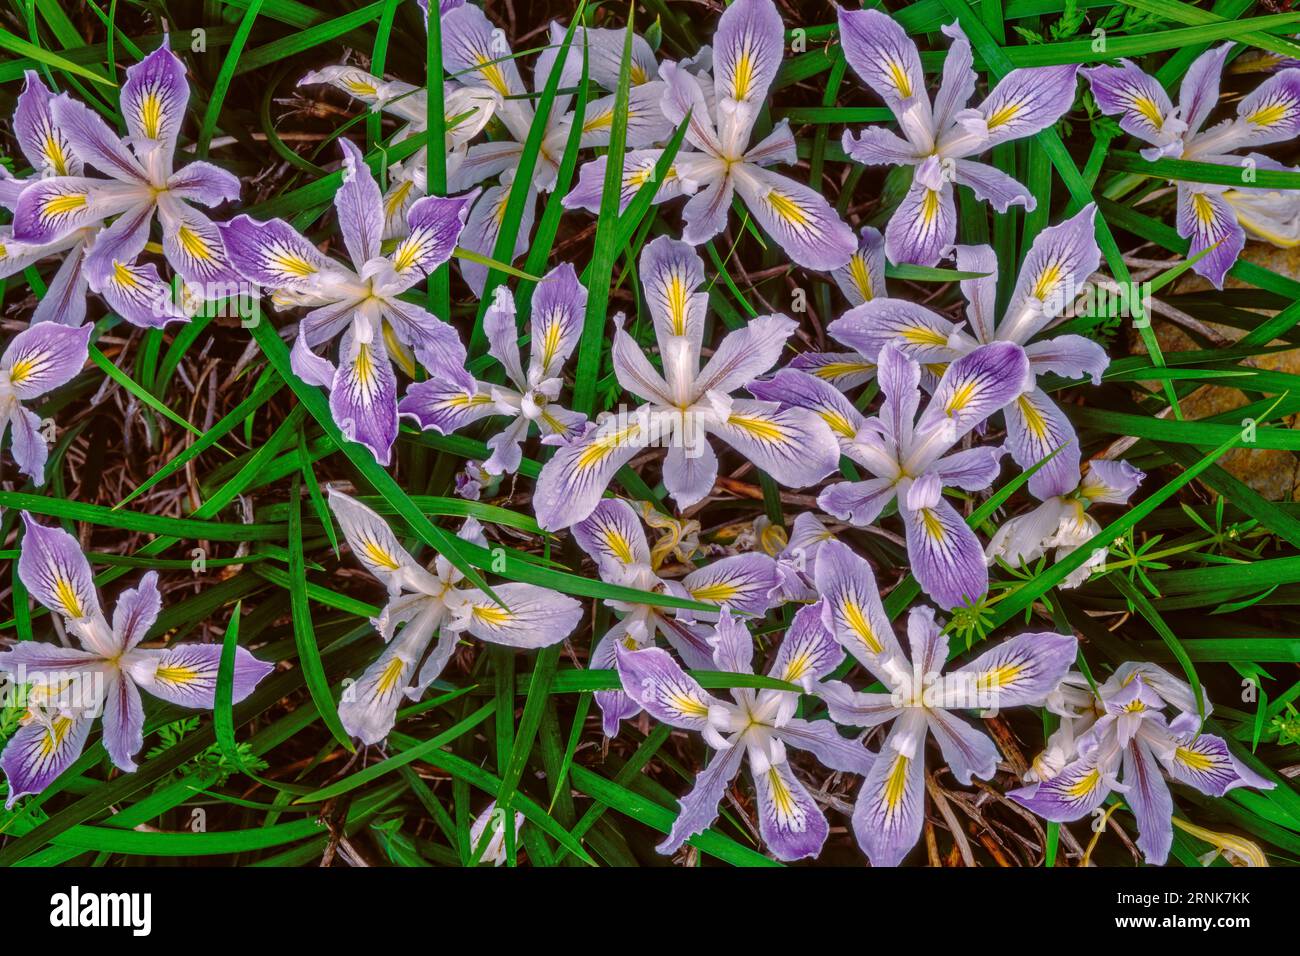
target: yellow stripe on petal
<point>833,370</point>
<point>744,76</point>
<point>920,335</point>
<point>66,594</point>
<point>1269,115</point>
<point>54,736</point>
<point>1084,785</point>
<point>493,73</point>
<point>838,423</point>
<point>124,277</point>
<point>999,677</point>
<point>177,674</point>
<point>687,706</point>
<point>151,114</point>
<point>787,209</point>
<point>389,676</point>
<point>1149,111</point>
<point>902,82</point>
<point>759,428</point>
<point>604,446</point>
<point>493,614</point>
<point>64,203</point>
<point>1004,115</point>
<point>856,619</point>
<point>293,265</point>
<point>896,784</point>
<point>931,523</point>
<point>194,245</point>
<point>396,198</point>
<point>861,276</point>
<point>377,555</point>
<point>1194,759</point>
<point>618,545</point>
<point>716,593</point>
<point>930,207</point>
<point>962,396</point>
<point>1203,209</point>
<point>55,156</point>
<point>1048,279</point>
<point>1034,420</point>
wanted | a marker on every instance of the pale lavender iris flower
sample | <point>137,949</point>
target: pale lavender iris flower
<point>1121,743</point>
<point>424,603</point>
<point>445,405</point>
<point>362,303</point>
<point>476,54</point>
<point>38,359</point>
<point>920,700</point>
<point>1063,522</point>
<point>687,403</point>
<point>754,724</point>
<point>104,673</point>
<point>940,138</point>
<point>912,460</point>
<point>141,181</point>
<point>613,536</point>
<point>724,104</point>
<point>1055,271</point>
<point>48,151</point>
<point>1212,214</point>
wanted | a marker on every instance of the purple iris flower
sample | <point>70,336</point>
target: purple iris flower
<point>38,359</point>
<point>940,138</point>
<point>723,90</point>
<point>754,724</point>
<point>445,405</point>
<point>911,460</point>
<point>612,535</point>
<point>139,180</point>
<point>1212,214</point>
<point>686,403</point>
<point>47,148</point>
<point>1056,268</point>
<point>104,674</point>
<point>919,699</point>
<point>363,303</point>
<point>1119,741</point>
<point>424,603</point>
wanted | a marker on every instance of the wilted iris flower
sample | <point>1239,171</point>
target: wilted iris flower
<point>38,359</point>
<point>466,111</point>
<point>920,700</point>
<point>612,535</point>
<point>104,674</point>
<point>475,53</point>
<point>758,724</point>
<point>445,405</point>
<point>1062,521</point>
<point>686,403</point>
<point>724,106</point>
<point>141,181</point>
<point>1056,267</point>
<point>1212,214</point>
<point>47,148</point>
<point>361,303</point>
<point>492,822</point>
<point>939,139</point>
<point>424,603</point>
<point>862,280</point>
<point>1121,744</point>
<point>911,460</point>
